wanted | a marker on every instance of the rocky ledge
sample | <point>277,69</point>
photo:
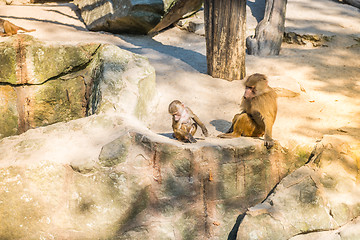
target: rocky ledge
<point>42,84</point>
<point>107,177</point>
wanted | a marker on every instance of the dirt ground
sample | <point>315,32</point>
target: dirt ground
<point>327,78</point>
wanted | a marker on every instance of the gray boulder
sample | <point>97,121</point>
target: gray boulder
<point>92,178</point>
<point>318,201</point>
<point>131,16</point>
<point>45,84</point>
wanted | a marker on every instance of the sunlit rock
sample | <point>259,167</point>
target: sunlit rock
<point>319,197</point>
<point>42,84</point>
<point>120,16</point>
<point>93,178</point>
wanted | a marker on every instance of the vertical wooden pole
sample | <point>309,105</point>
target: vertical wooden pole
<point>225,26</point>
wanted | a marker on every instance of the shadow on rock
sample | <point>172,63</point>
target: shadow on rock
<point>221,125</point>
<point>168,135</point>
<point>234,230</point>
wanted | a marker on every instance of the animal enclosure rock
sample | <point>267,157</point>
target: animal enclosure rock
<point>47,198</point>
<point>118,16</point>
<point>198,185</point>
<point>320,197</point>
<point>75,182</point>
<point>42,84</point>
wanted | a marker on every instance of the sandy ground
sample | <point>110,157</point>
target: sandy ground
<point>329,76</point>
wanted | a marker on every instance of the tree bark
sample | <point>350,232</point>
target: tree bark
<point>225,22</point>
<point>269,32</point>
<point>176,12</point>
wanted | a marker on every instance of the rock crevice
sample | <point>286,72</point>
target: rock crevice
<point>314,202</point>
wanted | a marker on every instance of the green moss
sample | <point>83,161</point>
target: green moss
<point>8,109</point>
<point>189,225</point>
<point>7,63</point>
<point>8,123</point>
<point>183,167</point>
<point>228,187</point>
<point>58,101</point>
<point>169,153</point>
<point>302,154</point>
<point>168,4</point>
<point>51,61</point>
<point>257,174</point>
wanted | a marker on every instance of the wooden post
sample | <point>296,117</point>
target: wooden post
<point>225,22</point>
<point>269,32</point>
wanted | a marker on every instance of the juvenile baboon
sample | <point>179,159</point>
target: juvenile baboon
<point>258,111</point>
<point>7,28</point>
<point>184,122</point>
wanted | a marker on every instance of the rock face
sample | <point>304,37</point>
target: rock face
<point>317,201</point>
<point>91,178</point>
<point>43,84</point>
<point>131,16</point>
<point>106,176</point>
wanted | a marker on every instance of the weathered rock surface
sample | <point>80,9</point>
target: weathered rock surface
<point>269,32</point>
<point>95,178</point>
<point>106,176</point>
<point>131,16</point>
<point>304,39</point>
<point>193,24</point>
<point>43,84</point>
<point>355,3</point>
<point>318,201</point>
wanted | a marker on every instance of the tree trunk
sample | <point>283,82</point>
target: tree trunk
<point>269,32</point>
<point>225,22</point>
<point>176,12</point>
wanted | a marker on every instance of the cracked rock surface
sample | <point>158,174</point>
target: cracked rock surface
<point>71,180</point>
<point>105,177</point>
<point>45,84</point>
<point>317,201</point>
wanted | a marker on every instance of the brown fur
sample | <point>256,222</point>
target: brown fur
<point>258,111</point>
<point>184,122</point>
<point>8,29</point>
